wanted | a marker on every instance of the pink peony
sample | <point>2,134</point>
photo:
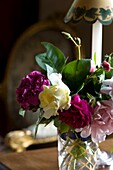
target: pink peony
<point>29,89</point>
<point>79,113</point>
<point>102,122</point>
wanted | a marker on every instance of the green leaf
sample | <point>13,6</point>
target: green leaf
<point>52,57</point>
<point>22,112</point>
<point>57,122</point>
<point>109,74</point>
<point>92,84</point>
<point>75,72</point>
<point>64,128</point>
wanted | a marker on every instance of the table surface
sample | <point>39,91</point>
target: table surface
<point>41,159</point>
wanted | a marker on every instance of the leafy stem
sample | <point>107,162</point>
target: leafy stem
<point>76,41</point>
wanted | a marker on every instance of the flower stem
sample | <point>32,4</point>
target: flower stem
<point>40,113</point>
<point>76,41</point>
<point>79,52</point>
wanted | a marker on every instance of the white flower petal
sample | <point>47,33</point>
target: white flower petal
<point>55,78</point>
<point>86,132</point>
<point>108,82</point>
<point>105,90</point>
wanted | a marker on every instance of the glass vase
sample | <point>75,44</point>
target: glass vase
<point>76,154</point>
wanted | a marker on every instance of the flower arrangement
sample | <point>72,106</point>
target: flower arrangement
<point>77,96</point>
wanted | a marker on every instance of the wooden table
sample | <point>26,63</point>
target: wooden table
<point>41,159</point>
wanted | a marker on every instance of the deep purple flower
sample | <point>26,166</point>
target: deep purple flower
<point>79,113</point>
<point>30,87</point>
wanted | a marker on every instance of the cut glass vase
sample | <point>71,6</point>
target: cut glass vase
<point>76,154</point>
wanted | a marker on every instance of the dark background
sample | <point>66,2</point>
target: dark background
<point>15,17</point>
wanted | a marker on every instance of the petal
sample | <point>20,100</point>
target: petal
<point>55,78</point>
<point>108,82</point>
<point>86,132</point>
<point>105,90</point>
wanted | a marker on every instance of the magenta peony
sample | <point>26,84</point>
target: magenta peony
<point>79,113</point>
<point>106,66</point>
<point>29,89</point>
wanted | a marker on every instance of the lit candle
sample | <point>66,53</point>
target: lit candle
<point>97,42</point>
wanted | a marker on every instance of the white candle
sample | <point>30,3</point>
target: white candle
<point>97,42</point>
